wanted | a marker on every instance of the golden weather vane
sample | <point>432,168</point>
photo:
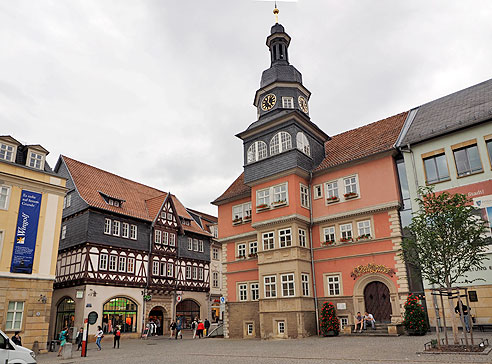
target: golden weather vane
<point>276,11</point>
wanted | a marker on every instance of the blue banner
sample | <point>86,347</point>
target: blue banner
<point>26,232</point>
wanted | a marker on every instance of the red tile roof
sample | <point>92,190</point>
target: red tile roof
<point>193,227</point>
<point>238,188</point>
<point>367,140</point>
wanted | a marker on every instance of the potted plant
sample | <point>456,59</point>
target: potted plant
<point>346,240</point>
<point>262,206</point>
<point>241,256</point>
<point>350,195</point>
<point>332,199</point>
<point>279,202</point>
<point>364,237</point>
<point>247,218</point>
<point>328,242</point>
<point>253,255</point>
<point>237,220</point>
<point>414,319</point>
<point>329,322</point>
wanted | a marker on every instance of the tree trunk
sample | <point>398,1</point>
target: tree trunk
<point>453,316</point>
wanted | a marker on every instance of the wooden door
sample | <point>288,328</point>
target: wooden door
<point>377,300</point>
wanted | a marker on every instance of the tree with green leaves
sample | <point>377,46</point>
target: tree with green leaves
<point>329,320</point>
<point>447,240</point>
<point>414,320</point>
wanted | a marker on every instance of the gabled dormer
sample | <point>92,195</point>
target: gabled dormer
<point>35,156</point>
<point>8,148</point>
<point>112,200</point>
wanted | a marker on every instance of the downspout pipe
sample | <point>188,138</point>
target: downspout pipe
<point>311,249</point>
<point>149,267</point>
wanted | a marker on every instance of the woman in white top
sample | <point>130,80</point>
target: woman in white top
<point>99,335</point>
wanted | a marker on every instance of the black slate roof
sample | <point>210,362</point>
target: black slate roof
<point>461,109</point>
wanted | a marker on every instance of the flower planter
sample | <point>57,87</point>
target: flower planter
<point>364,237</point>
<point>330,333</point>
<point>344,240</point>
<point>350,195</point>
<point>328,243</point>
<point>332,200</point>
<point>253,255</point>
<point>262,207</point>
<point>241,257</point>
<point>279,203</point>
<point>247,219</point>
<point>237,221</point>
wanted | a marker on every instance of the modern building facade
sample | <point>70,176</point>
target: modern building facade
<point>306,222</point>
<point>447,144</point>
<point>129,252</point>
<point>31,201</point>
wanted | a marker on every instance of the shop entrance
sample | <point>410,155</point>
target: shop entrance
<point>188,310</point>
<point>157,315</point>
<point>377,301</point>
<point>65,316</point>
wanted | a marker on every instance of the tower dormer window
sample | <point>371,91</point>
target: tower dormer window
<point>112,201</point>
<point>281,142</point>
<point>303,143</point>
<point>288,102</point>
<point>6,152</point>
<point>35,160</point>
<point>257,151</point>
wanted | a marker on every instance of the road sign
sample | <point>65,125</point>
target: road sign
<point>92,317</point>
<point>179,298</point>
<point>222,299</point>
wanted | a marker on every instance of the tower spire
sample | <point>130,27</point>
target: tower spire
<point>276,11</point>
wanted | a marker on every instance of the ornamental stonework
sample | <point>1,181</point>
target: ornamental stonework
<point>371,268</point>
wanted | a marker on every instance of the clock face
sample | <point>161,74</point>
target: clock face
<point>303,104</point>
<point>268,102</point>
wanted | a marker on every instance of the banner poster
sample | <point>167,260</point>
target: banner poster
<point>26,232</point>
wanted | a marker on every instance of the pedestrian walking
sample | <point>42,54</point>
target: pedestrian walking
<point>17,339</point>
<point>117,335</point>
<point>194,324</point>
<point>158,324</point>
<point>173,329</point>
<point>99,335</point>
<point>178,330</point>
<point>63,339</point>
<point>207,326</point>
<point>200,328</point>
<point>79,338</point>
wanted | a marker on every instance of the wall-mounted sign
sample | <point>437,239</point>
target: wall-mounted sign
<point>92,317</point>
<point>79,294</point>
<point>341,306</point>
<point>371,268</point>
<point>179,298</point>
<point>26,232</point>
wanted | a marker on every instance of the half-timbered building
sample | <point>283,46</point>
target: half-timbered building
<point>128,251</point>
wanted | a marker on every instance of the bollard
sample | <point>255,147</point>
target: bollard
<point>67,351</point>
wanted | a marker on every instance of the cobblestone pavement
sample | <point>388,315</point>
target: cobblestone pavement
<point>339,350</point>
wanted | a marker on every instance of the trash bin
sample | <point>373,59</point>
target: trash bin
<point>67,351</point>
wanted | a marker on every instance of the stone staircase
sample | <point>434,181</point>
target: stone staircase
<point>380,330</point>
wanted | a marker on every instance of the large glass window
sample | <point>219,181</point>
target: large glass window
<point>303,143</point>
<point>14,315</point>
<point>268,240</point>
<point>350,185</point>
<point>241,250</point>
<point>215,280</point>
<point>346,231</point>
<point>280,143</point>
<point>302,238</point>
<point>263,198</point>
<point>243,292</point>
<point>257,151</point>
<point>270,286</point>
<point>4,197</point>
<point>287,285</point>
<point>120,312</point>
<point>285,238</point>
<point>436,168</point>
<point>280,193</point>
<point>255,291</point>
<point>332,190</point>
<point>329,233</point>
<point>253,248</point>
<point>7,152</point>
<point>304,195</point>
<point>333,282</point>
<point>107,226</point>
<point>305,284</point>
<point>35,160</point>
<point>364,228</point>
<point>65,315</point>
<point>467,160</point>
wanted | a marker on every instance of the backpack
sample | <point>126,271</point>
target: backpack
<point>118,333</point>
<point>62,335</point>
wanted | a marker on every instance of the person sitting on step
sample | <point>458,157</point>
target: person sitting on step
<point>369,318</point>
<point>359,321</point>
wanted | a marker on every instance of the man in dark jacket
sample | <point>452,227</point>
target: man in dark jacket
<point>207,326</point>
<point>17,339</point>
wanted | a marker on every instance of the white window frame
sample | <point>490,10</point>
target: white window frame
<point>332,190</point>
<point>116,228</point>
<point>5,150</point>
<point>172,239</point>
<point>157,237</point>
<point>200,274</point>
<point>103,262</point>
<point>344,322</point>
<point>280,142</point>
<point>122,264</point>
<point>257,151</point>
<point>165,238</point>
<point>194,273</point>
<point>329,233</point>
<point>263,197</point>
<point>241,250</point>
<point>254,289</point>
<point>35,160</point>
<point>15,311</point>
<point>280,193</point>
<point>303,143</point>
<point>195,245</point>
<point>268,240</point>
<point>285,238</point>
<point>304,194</point>
<point>215,253</point>
<point>133,232</point>
<point>125,230</point>
<point>346,231</point>
<point>107,226</point>
<point>67,201</point>
<point>170,269</point>
<point>302,237</point>
<point>364,227</point>
<point>333,284</point>
<point>249,329</point>
<point>317,192</point>
<point>270,286</point>
<point>130,265</point>
<point>288,285</point>
<point>215,279</point>
<point>190,243</point>
<point>351,184</point>
<point>63,232</point>
<point>188,272</point>
<point>287,102</point>
<point>281,327</point>
<point>253,247</point>
<point>305,284</point>
<point>5,191</point>
<point>200,246</point>
<point>242,290</point>
<point>113,263</point>
<point>156,266</point>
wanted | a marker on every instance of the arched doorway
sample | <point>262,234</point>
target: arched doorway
<point>188,310</point>
<point>122,312</point>
<point>377,301</point>
<point>157,315</point>
<point>65,316</point>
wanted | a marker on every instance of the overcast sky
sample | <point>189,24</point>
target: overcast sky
<point>156,90</point>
